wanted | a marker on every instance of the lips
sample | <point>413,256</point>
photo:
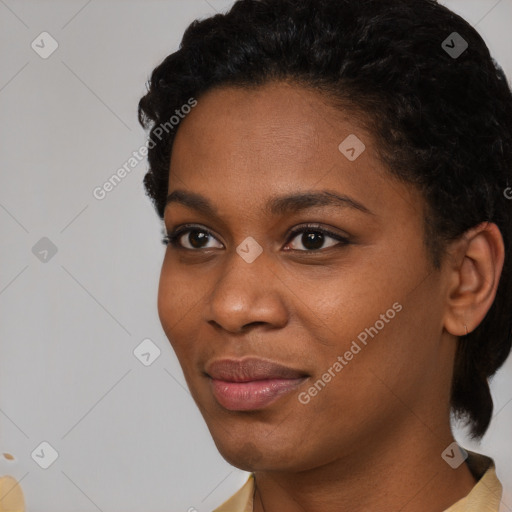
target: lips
<point>250,369</point>
<point>251,383</point>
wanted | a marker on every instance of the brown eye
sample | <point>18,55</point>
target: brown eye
<point>313,238</point>
<point>197,238</point>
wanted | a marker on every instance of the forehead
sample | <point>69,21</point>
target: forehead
<point>276,117</point>
<point>242,145</point>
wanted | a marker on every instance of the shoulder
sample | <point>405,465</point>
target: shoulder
<point>242,500</point>
<point>486,494</point>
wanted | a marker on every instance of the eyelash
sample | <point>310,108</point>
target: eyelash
<point>173,238</point>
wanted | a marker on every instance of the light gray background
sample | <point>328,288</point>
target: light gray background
<point>129,436</point>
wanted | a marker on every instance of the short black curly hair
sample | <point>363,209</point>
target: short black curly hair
<point>442,122</point>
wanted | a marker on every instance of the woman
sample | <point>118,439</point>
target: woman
<point>333,177</point>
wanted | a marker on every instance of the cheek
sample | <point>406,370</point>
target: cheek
<point>366,385</point>
<point>182,296</point>
<point>177,292</point>
<point>175,306</point>
<point>382,320</point>
<point>166,297</point>
<point>395,359</point>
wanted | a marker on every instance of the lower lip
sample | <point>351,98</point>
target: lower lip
<point>253,395</point>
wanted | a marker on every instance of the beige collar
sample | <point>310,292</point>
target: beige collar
<point>484,497</point>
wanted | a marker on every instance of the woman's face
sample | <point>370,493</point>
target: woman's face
<point>357,320</point>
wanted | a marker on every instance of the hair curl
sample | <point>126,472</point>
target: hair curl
<point>442,124</point>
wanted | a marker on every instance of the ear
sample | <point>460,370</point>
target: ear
<point>473,277</point>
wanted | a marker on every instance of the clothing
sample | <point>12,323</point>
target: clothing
<point>484,497</point>
<point>11,495</point>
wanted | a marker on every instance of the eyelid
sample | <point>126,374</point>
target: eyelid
<point>177,232</point>
<point>172,237</point>
<point>319,228</point>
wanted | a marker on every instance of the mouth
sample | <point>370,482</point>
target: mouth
<point>251,383</point>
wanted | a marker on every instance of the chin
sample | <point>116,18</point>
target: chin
<point>251,455</point>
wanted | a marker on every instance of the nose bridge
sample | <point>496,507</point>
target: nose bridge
<point>245,293</point>
<point>244,274</point>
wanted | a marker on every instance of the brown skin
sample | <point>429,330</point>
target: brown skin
<point>372,438</point>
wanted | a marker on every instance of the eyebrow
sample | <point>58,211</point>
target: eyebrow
<point>278,205</point>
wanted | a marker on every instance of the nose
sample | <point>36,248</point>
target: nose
<point>247,294</point>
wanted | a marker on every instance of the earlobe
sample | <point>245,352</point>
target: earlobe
<point>474,278</point>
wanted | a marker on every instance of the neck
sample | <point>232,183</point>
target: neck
<point>407,473</point>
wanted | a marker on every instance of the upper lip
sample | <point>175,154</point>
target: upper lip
<point>250,369</point>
